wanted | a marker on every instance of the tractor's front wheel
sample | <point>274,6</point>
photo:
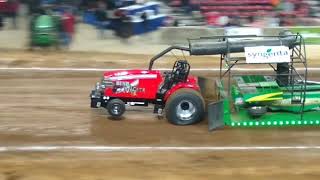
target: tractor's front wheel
<point>116,107</point>
<point>185,107</point>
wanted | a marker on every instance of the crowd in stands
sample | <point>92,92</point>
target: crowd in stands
<point>218,13</point>
<point>259,13</point>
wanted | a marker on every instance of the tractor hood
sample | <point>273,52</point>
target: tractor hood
<point>131,74</point>
<point>137,84</point>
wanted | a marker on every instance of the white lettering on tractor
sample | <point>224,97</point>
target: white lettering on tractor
<point>127,87</point>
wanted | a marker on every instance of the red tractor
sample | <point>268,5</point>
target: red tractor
<point>176,92</point>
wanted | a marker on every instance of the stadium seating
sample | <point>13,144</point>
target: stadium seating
<point>246,8</point>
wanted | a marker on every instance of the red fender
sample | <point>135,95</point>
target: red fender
<point>191,83</point>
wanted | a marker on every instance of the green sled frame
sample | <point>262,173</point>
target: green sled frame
<point>286,94</point>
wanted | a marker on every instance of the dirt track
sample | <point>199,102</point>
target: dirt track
<point>52,108</point>
<point>161,165</point>
<point>63,59</point>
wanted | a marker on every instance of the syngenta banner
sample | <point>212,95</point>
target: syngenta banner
<point>267,54</point>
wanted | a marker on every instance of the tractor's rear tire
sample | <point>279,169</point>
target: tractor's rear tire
<point>116,108</point>
<point>185,107</point>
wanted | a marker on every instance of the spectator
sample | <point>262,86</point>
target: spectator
<point>111,4</point>
<point>273,20</point>
<point>233,21</point>
<point>288,6</point>
<point>124,29</point>
<point>87,4</point>
<point>275,3</point>
<point>290,20</point>
<point>13,8</point>
<point>185,3</point>
<point>1,21</point>
<point>102,19</point>
<point>67,21</point>
<point>144,17</point>
<point>281,19</point>
<point>33,6</point>
<point>186,6</point>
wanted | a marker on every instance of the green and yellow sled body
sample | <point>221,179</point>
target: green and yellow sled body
<point>285,104</point>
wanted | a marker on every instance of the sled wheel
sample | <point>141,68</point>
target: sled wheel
<point>185,107</point>
<point>257,111</point>
<point>116,107</point>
